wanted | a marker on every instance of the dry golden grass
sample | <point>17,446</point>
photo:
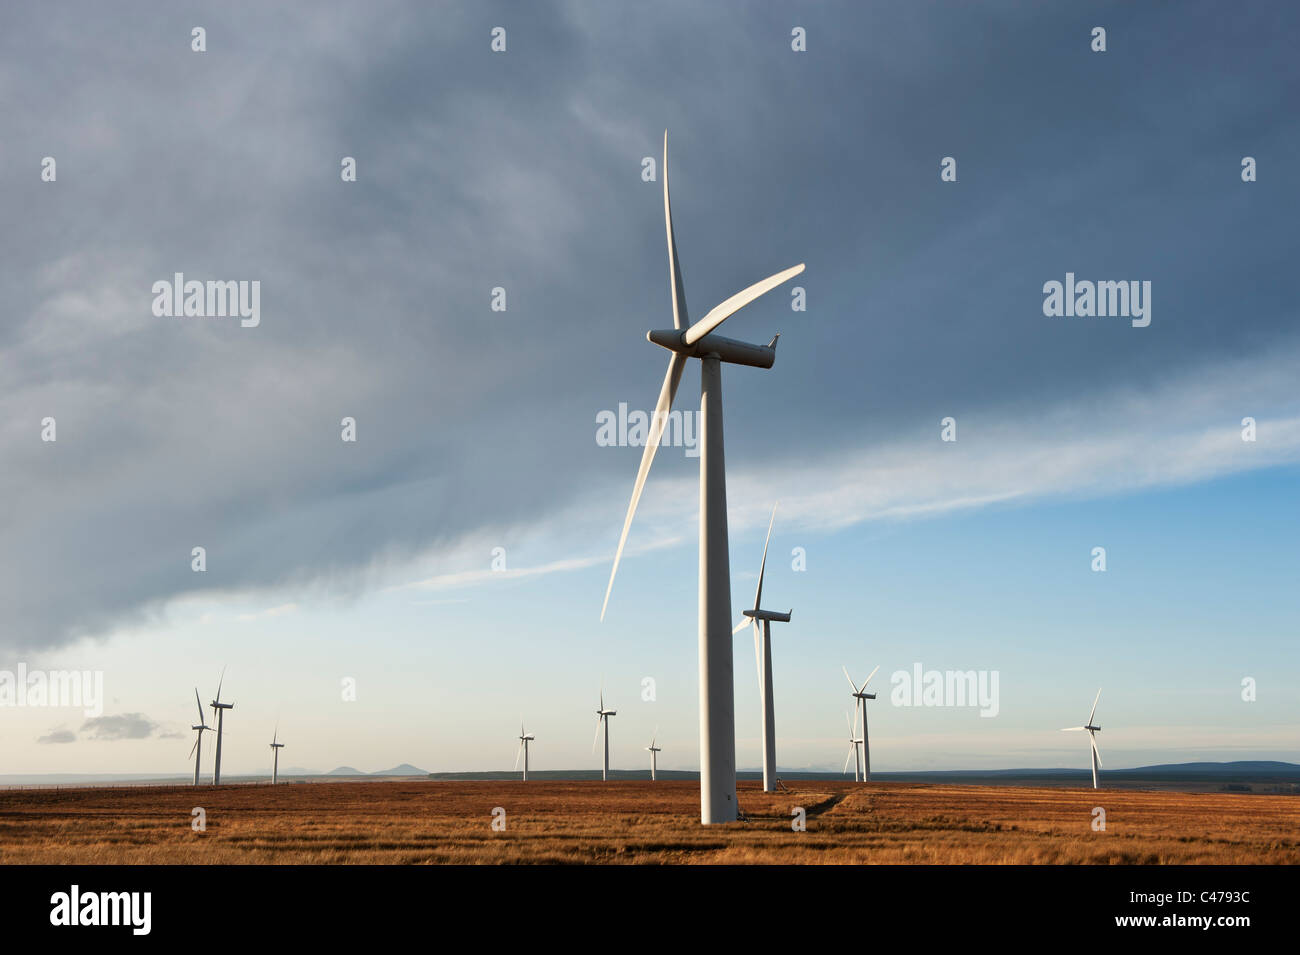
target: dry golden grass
<point>414,821</point>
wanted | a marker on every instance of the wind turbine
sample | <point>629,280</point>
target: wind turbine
<point>685,341</point>
<point>602,722</point>
<point>1092,738</point>
<point>220,709</point>
<point>197,750</point>
<point>763,657</point>
<point>853,747</point>
<point>654,751</point>
<point>861,695</point>
<point>524,740</point>
<point>275,752</point>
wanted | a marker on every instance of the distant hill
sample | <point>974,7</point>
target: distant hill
<point>345,771</point>
<point>406,769</point>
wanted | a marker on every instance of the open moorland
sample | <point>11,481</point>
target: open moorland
<point>415,821</point>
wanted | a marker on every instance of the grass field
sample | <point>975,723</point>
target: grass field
<point>417,821</point>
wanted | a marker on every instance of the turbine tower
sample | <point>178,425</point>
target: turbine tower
<point>197,750</point>
<point>853,747</point>
<point>602,723</point>
<point>654,751</point>
<point>861,696</point>
<point>275,753</point>
<point>1092,738</point>
<point>524,740</point>
<point>763,657</point>
<point>685,341</point>
<point>219,708</point>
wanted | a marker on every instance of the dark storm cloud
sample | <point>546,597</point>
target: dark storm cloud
<point>522,170</point>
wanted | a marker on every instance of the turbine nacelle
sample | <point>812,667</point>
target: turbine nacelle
<point>774,615</point>
<point>715,346</point>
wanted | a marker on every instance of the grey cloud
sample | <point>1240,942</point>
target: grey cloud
<point>122,726</point>
<point>522,170</point>
<point>58,736</point>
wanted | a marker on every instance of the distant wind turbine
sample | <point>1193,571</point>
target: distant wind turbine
<point>219,708</point>
<point>602,723</point>
<point>763,657</point>
<point>197,750</point>
<point>853,747</point>
<point>686,341</point>
<point>861,695</point>
<point>1092,738</point>
<point>654,751</point>
<point>276,746</point>
<point>524,740</point>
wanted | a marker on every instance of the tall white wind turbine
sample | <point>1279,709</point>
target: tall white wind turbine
<point>860,696</point>
<point>763,657</point>
<point>276,746</point>
<point>854,740</point>
<point>524,739</point>
<point>685,341</point>
<point>602,723</point>
<point>197,750</point>
<point>654,751</point>
<point>1092,738</point>
<point>219,708</point>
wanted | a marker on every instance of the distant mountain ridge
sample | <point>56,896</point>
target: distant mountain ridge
<point>1255,771</point>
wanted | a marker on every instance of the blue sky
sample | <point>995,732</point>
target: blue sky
<point>476,428</point>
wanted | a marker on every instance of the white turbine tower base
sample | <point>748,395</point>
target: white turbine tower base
<point>852,754</point>
<point>1092,739</point>
<point>685,341</point>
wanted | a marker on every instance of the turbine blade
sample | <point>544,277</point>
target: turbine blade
<point>596,739</point>
<point>855,722</point>
<point>722,312</point>
<point>1092,738</point>
<point>852,747</point>
<point>198,703</point>
<point>1094,707</point>
<point>849,678</point>
<point>744,622</point>
<point>758,659</point>
<point>762,568</point>
<point>671,380</point>
<point>680,319</point>
<point>868,679</point>
<point>195,746</point>
<point>519,752</point>
<point>1071,729</point>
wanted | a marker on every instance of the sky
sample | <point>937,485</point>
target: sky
<point>449,564</point>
